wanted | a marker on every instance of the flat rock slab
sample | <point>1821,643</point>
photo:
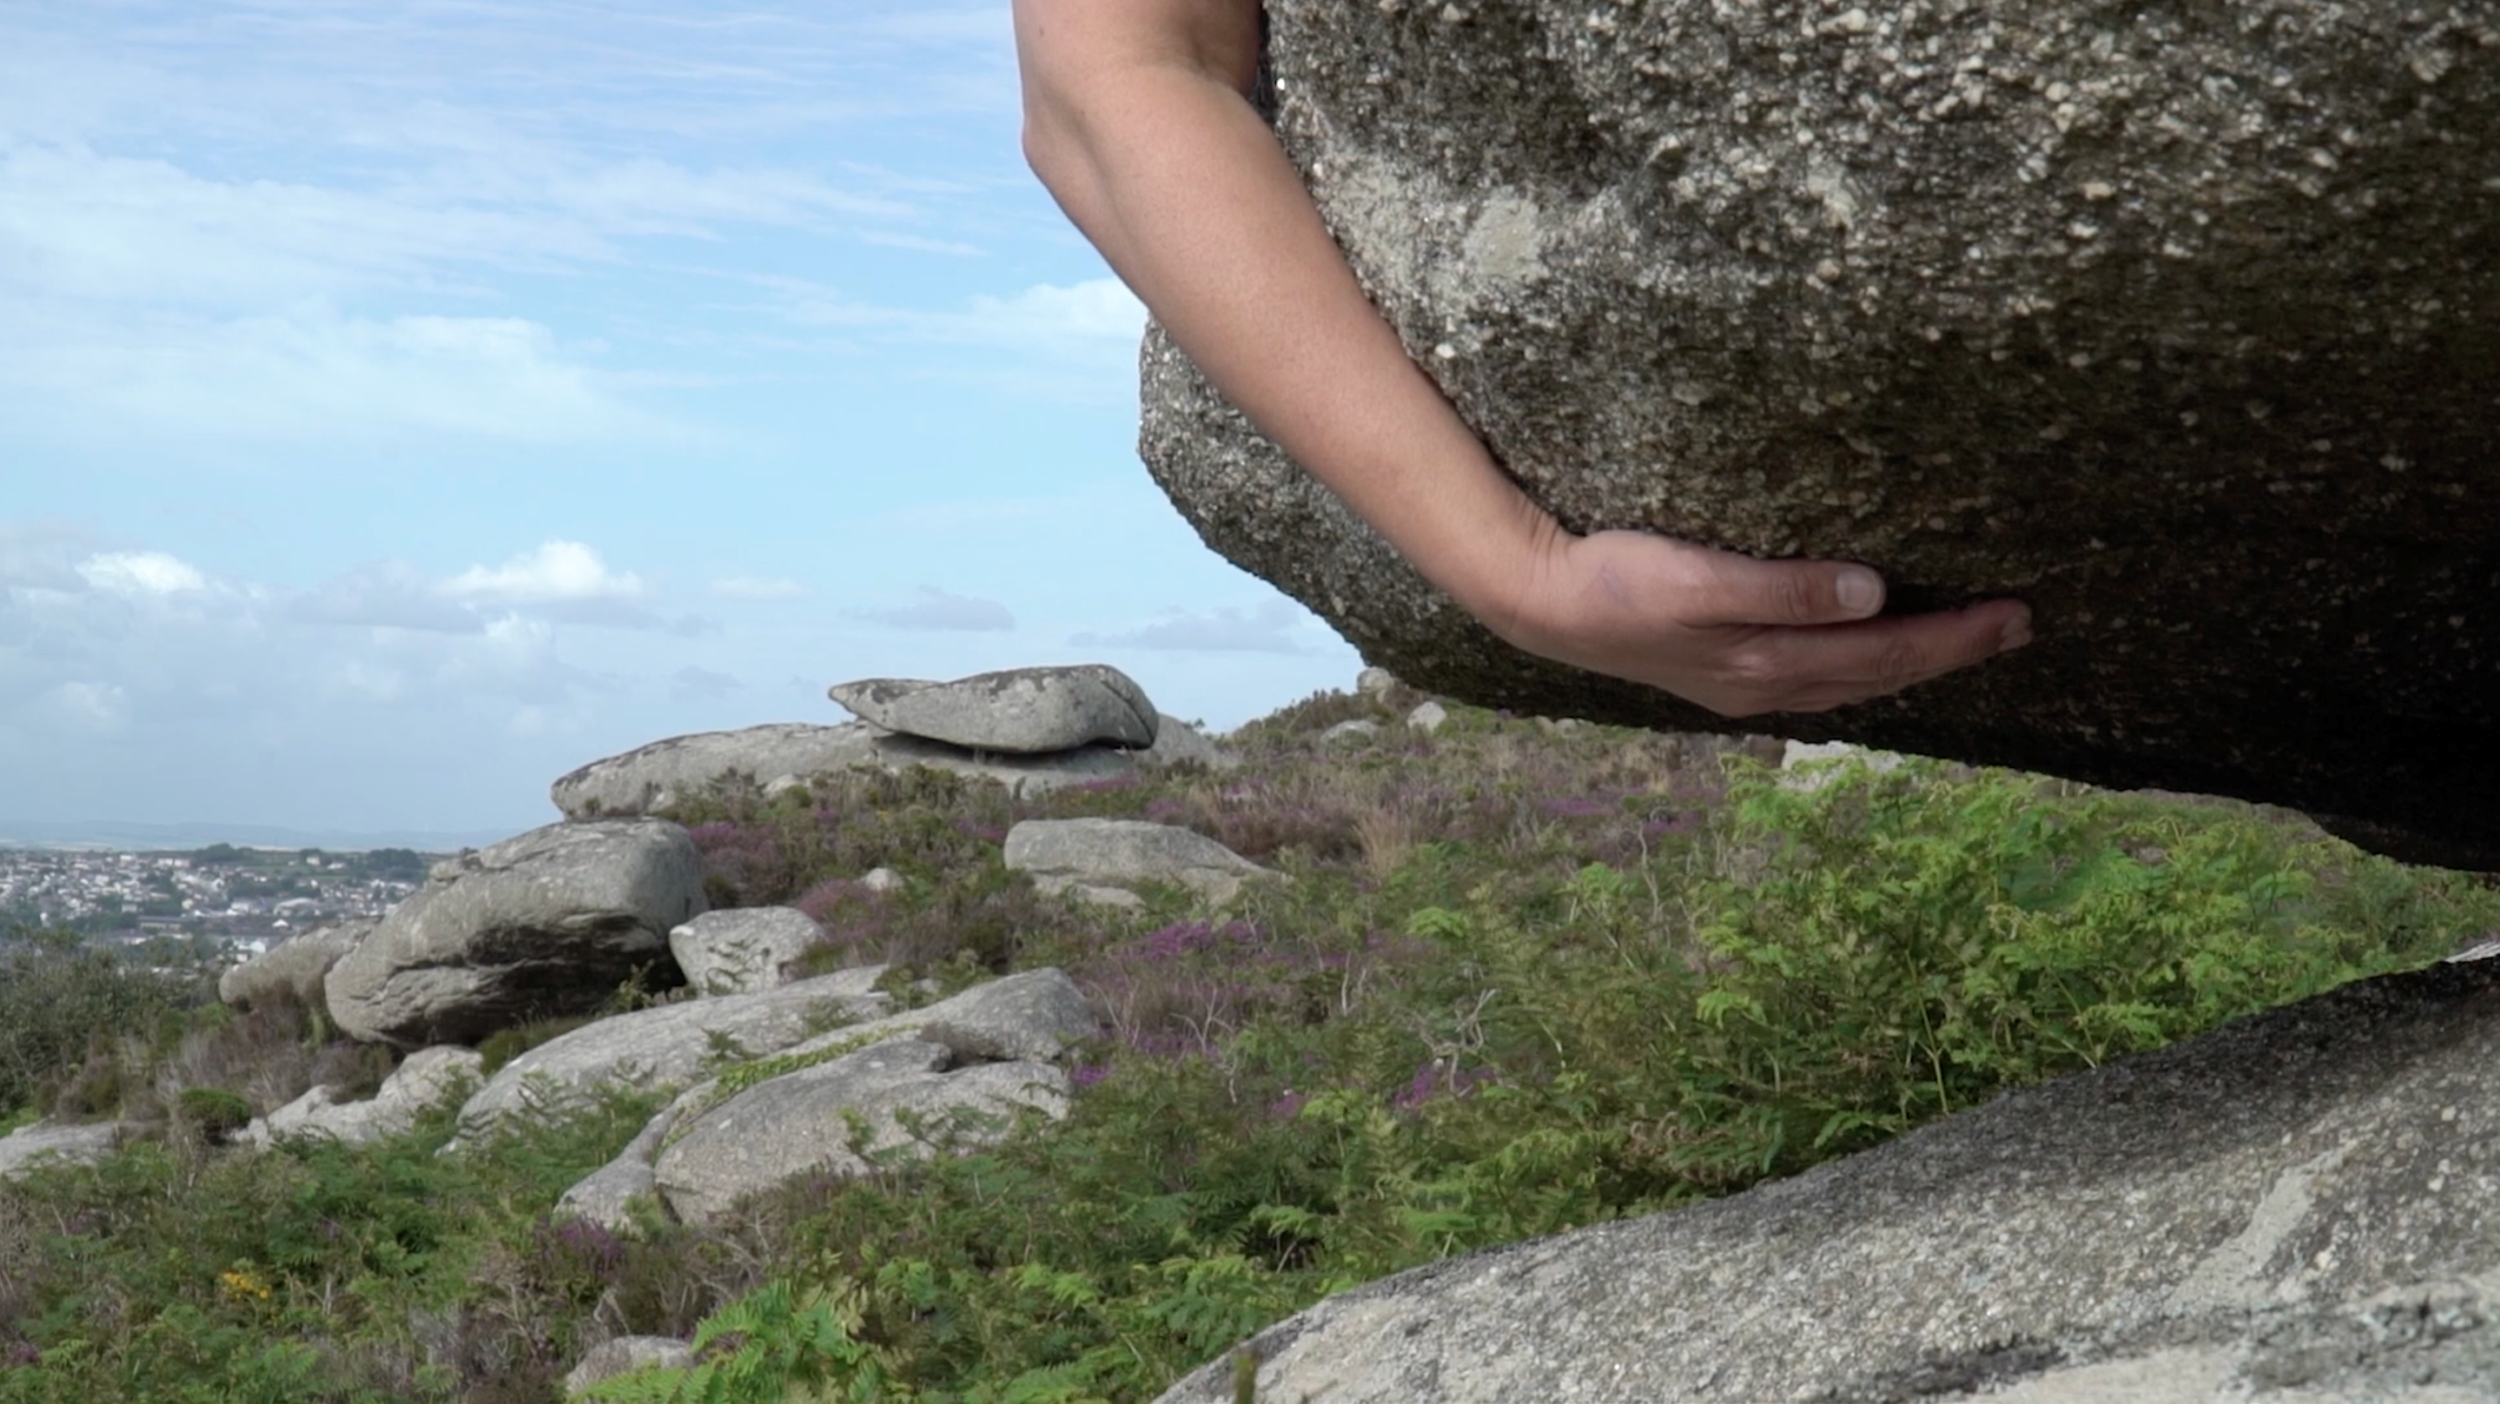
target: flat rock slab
<point>656,777</point>
<point>672,1045</point>
<point>2175,321</point>
<point>1032,1015</point>
<point>1020,711</point>
<point>546,924</point>
<point>2307,1201</point>
<point>294,968</point>
<point>44,1143</point>
<point>801,1124</point>
<point>425,1079</point>
<point>742,950</point>
<point>1064,854</point>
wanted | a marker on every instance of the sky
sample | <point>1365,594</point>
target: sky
<point>402,404</point>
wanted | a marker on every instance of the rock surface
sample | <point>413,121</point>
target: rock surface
<point>296,967</point>
<point>1023,711</point>
<point>2172,320</point>
<point>1035,1016</point>
<point>425,1079</point>
<point>623,1356</point>
<point>1113,853</point>
<point>606,1196</point>
<point>672,1045</point>
<point>654,777</point>
<point>742,951</point>
<point>45,1143</point>
<point>549,923</point>
<point>800,1124</point>
<point>2306,1202</point>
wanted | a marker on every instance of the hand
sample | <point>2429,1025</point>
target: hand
<point>1737,635</point>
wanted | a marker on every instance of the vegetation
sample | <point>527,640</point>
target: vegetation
<point>1524,977</point>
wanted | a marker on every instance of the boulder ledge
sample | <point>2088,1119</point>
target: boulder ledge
<point>2176,321</point>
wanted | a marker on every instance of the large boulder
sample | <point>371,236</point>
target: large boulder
<point>801,1123</point>
<point>657,777</point>
<point>2173,320</point>
<point>1022,711</point>
<point>2305,1202</point>
<point>1086,855</point>
<point>292,969</point>
<point>742,950</point>
<point>672,1045</point>
<point>549,923</point>
<point>425,1079</point>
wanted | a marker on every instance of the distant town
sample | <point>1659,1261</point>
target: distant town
<point>241,899</point>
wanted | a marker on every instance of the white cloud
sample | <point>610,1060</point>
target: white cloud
<point>309,373</point>
<point>942,611</point>
<point>751,587</point>
<point>140,574</point>
<point>1267,629</point>
<point>557,571</point>
<point>390,595</point>
<point>1100,310</point>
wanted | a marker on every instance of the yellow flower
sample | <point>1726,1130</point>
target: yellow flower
<point>242,1282</point>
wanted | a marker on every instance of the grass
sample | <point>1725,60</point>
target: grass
<point>1522,978</point>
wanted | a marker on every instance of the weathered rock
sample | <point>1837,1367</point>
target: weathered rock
<point>623,1356</point>
<point>46,1143</point>
<point>742,950</point>
<point>1428,718</point>
<point>673,1044</point>
<point>1024,711</point>
<point>607,1196</point>
<point>425,1079</point>
<point>1353,729</point>
<point>882,881</point>
<point>1179,743</point>
<point>1375,682</point>
<point>2171,320</point>
<point>800,1124</point>
<point>295,967</point>
<point>659,775</point>
<point>1064,853</point>
<point>1036,1015</point>
<point>662,774</point>
<point>2306,1202</point>
<point>549,923</point>
<point>1807,766</point>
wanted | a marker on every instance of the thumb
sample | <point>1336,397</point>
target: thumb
<point>1742,590</point>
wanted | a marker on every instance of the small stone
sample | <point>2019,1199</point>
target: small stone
<point>1428,718</point>
<point>625,1355</point>
<point>1358,729</point>
<point>1374,682</point>
<point>744,950</point>
<point>1065,853</point>
<point>883,881</point>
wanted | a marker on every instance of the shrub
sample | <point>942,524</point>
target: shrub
<point>215,1114</point>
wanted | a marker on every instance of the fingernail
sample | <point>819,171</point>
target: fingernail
<point>2017,633</point>
<point>1861,591</point>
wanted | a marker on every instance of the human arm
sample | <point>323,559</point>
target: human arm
<point>1137,120</point>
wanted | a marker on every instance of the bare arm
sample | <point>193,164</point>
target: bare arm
<point>1136,119</point>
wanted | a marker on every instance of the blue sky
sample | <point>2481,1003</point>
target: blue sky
<point>402,403</point>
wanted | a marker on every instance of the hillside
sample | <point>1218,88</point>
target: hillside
<point>1510,976</point>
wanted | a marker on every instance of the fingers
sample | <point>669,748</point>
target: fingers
<point>1736,589</point>
<point>1817,669</point>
